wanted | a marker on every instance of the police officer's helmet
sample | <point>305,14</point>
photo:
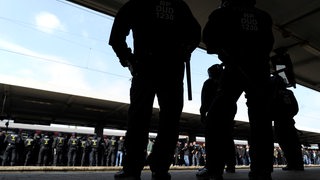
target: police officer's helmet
<point>95,135</point>
<point>229,3</point>
<point>16,131</point>
<point>30,135</point>
<point>215,70</point>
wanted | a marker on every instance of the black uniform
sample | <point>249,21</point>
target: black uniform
<point>242,37</point>
<point>45,150</point>
<point>284,108</point>
<point>208,93</point>
<point>95,145</point>
<point>59,148</point>
<point>85,149</point>
<point>29,147</point>
<point>112,152</point>
<point>11,153</point>
<point>105,143</point>
<point>2,143</point>
<point>73,145</point>
<point>165,33</point>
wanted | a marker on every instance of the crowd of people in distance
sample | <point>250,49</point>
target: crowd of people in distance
<point>36,148</point>
<point>26,148</point>
<point>165,34</point>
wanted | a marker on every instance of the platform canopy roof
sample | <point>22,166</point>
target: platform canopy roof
<point>295,27</point>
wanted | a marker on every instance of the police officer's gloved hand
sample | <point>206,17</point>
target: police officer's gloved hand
<point>132,65</point>
<point>124,55</point>
<point>130,62</point>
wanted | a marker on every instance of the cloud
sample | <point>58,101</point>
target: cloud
<point>57,71</point>
<point>48,22</point>
<point>18,49</point>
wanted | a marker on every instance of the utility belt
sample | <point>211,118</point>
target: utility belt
<point>73,147</point>
<point>59,147</point>
<point>145,56</point>
<point>45,146</point>
<point>11,144</point>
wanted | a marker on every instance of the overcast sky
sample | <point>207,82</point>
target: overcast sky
<point>58,46</point>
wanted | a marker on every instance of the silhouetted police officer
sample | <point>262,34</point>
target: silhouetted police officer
<point>85,149</point>
<point>2,143</point>
<point>95,145</point>
<point>165,33</point>
<point>29,146</point>
<point>11,153</point>
<point>105,143</point>
<point>242,37</point>
<point>112,151</point>
<point>209,89</point>
<point>59,148</point>
<point>284,108</point>
<point>45,150</point>
<point>208,93</point>
<point>73,145</point>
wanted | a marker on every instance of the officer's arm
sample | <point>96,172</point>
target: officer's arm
<point>120,30</point>
<point>211,34</point>
<point>192,30</point>
<point>54,143</point>
<point>294,102</point>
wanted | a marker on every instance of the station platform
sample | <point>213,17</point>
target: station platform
<point>106,173</point>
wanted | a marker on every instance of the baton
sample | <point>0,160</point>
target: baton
<point>189,80</point>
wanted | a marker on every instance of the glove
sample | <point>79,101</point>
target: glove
<point>129,62</point>
<point>124,56</point>
<point>132,65</point>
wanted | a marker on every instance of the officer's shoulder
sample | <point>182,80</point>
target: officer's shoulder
<point>208,81</point>
<point>133,4</point>
<point>217,12</point>
<point>288,91</point>
<point>263,13</point>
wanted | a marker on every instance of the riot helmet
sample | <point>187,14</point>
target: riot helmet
<point>215,70</point>
<point>74,134</point>
<point>95,136</point>
<point>16,131</point>
<point>29,135</point>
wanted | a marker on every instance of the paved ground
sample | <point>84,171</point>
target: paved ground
<point>310,173</point>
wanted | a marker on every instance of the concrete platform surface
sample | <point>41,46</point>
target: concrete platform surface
<point>310,173</point>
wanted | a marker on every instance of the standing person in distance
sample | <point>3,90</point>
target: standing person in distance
<point>120,151</point>
<point>241,35</point>
<point>10,155</point>
<point>59,148</point>
<point>208,93</point>
<point>73,146</point>
<point>284,108</point>
<point>165,33</point>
